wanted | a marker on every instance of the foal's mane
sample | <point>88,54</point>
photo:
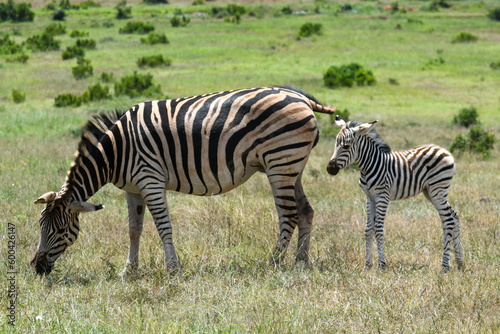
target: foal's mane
<point>373,135</point>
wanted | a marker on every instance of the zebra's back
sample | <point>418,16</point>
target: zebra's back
<point>210,144</point>
<point>419,168</point>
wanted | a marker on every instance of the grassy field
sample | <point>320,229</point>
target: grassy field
<point>225,284</point>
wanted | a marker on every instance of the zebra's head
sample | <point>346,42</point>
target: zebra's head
<point>345,145</point>
<point>59,228</point>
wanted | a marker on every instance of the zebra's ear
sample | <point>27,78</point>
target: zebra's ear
<point>46,198</point>
<point>85,207</point>
<point>339,121</point>
<point>364,128</point>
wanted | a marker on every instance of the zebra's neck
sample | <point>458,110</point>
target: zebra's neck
<point>369,154</point>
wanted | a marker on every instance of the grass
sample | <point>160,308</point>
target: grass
<point>226,284</point>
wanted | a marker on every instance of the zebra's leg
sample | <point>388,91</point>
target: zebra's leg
<point>451,227</point>
<point>136,209</point>
<point>156,200</point>
<point>283,186</point>
<point>381,204</point>
<point>369,232</point>
<point>306,214</point>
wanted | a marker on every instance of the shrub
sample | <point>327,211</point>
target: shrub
<point>154,2</point>
<point>123,13</point>
<point>495,65</point>
<point>137,27</point>
<point>59,15</point>
<point>73,52</point>
<point>86,43</point>
<point>67,100</point>
<point>18,96</point>
<point>494,14</point>
<point>78,33</point>
<point>198,3</point>
<point>287,10</point>
<point>308,29</point>
<point>55,29</point>
<point>96,93</point>
<point>9,46</point>
<point>21,12</point>
<point>465,37</point>
<point>83,69</point>
<point>43,42</point>
<point>477,140</point>
<point>153,61</point>
<point>137,85</point>
<point>107,77</point>
<point>154,38</point>
<point>179,21</point>
<point>347,75</point>
<point>22,58</point>
<point>466,117</point>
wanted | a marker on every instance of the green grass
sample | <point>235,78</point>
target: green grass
<point>223,243</point>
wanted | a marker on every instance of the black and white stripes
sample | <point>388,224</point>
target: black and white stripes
<point>202,145</point>
<point>388,175</point>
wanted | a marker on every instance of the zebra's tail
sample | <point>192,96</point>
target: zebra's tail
<point>325,109</point>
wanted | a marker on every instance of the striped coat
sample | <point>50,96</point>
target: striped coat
<point>388,175</point>
<point>203,145</point>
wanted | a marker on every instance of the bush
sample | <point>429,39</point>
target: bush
<point>494,14</point>
<point>9,46</point>
<point>347,75</point>
<point>137,27</point>
<point>154,2</point>
<point>477,140</point>
<point>198,3</point>
<point>22,58</point>
<point>96,93</point>
<point>78,33</point>
<point>59,15</point>
<point>137,85</point>
<point>73,52</point>
<point>466,117</point>
<point>21,12</point>
<point>308,29</point>
<point>123,13</point>
<point>495,65</point>
<point>154,38</point>
<point>18,96</point>
<point>86,43</point>
<point>43,42</point>
<point>465,37</point>
<point>83,69</point>
<point>179,21</point>
<point>153,61</point>
<point>107,77</point>
<point>55,29</point>
<point>67,100</point>
<point>287,10</point>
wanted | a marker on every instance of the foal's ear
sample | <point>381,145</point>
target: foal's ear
<point>364,128</point>
<point>339,121</point>
<point>46,198</point>
<point>85,207</point>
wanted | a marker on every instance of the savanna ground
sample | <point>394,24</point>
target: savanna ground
<point>226,283</point>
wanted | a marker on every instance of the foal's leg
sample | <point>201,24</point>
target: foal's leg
<point>306,214</point>
<point>369,232</point>
<point>381,204</point>
<point>451,225</point>
<point>136,209</point>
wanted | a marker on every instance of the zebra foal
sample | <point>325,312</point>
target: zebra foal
<point>202,145</point>
<point>388,175</point>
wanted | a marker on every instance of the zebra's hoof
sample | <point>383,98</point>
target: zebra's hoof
<point>382,265</point>
<point>173,268</point>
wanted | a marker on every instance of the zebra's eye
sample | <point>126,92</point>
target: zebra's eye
<point>345,147</point>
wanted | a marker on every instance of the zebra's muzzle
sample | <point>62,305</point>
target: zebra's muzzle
<point>41,264</point>
<point>332,168</point>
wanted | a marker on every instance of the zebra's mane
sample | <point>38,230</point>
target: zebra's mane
<point>373,135</point>
<point>95,128</point>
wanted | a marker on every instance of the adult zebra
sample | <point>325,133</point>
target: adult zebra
<point>391,175</point>
<point>202,145</point>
